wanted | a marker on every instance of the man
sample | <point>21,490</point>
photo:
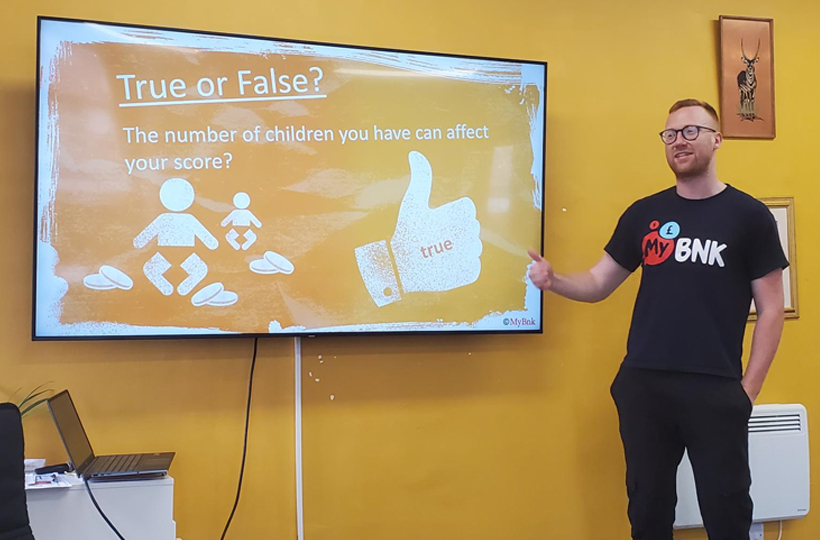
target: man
<point>706,250</point>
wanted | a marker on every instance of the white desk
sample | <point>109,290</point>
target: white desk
<point>140,510</point>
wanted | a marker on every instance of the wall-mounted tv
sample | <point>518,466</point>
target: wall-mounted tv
<point>202,184</point>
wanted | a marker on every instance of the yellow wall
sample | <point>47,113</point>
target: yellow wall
<point>473,437</point>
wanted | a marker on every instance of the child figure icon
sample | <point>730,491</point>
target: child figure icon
<point>176,229</point>
<point>241,217</point>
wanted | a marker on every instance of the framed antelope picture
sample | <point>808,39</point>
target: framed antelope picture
<point>747,77</point>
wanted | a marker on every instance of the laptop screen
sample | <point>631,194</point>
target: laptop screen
<point>71,429</point>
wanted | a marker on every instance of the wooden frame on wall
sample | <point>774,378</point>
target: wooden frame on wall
<point>747,77</point>
<point>782,208</point>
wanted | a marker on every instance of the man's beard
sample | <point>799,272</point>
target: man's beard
<point>694,170</point>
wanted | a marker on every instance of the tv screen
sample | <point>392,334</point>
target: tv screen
<point>202,184</point>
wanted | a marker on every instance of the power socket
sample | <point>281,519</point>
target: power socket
<point>756,531</point>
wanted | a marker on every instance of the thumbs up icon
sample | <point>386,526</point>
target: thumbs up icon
<point>433,249</point>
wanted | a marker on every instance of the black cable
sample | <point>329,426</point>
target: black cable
<point>245,444</point>
<point>97,506</point>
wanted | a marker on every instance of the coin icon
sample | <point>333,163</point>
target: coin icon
<point>207,293</point>
<point>262,266</point>
<point>279,262</point>
<point>98,282</point>
<point>117,277</point>
<point>225,298</point>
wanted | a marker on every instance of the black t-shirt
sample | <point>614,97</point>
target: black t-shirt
<point>699,259</point>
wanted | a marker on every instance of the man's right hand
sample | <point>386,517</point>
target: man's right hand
<point>540,272</point>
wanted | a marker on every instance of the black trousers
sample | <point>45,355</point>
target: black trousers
<point>663,412</point>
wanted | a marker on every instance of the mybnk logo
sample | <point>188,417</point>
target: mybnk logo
<point>516,321</point>
<point>661,242</point>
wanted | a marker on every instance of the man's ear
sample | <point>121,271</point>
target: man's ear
<point>718,140</point>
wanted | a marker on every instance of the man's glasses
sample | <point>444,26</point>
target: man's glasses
<point>690,133</point>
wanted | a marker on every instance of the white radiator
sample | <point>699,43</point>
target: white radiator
<point>779,461</point>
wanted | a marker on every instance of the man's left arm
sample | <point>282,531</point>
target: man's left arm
<point>768,295</point>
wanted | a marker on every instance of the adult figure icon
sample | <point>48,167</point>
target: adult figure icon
<point>176,229</point>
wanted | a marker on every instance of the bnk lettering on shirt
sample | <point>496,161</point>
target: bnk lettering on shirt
<point>659,245</point>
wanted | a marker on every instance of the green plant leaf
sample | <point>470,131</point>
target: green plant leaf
<point>33,400</point>
<point>31,407</point>
<point>34,393</point>
<point>32,397</point>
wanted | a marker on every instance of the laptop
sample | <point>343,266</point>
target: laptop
<point>91,466</point>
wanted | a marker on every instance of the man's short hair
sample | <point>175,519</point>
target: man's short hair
<point>695,103</point>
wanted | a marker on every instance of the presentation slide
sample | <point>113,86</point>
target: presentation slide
<point>203,184</point>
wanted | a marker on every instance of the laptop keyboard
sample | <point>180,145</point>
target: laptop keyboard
<point>108,464</point>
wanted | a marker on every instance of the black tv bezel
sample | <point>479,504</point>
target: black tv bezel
<point>119,337</point>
